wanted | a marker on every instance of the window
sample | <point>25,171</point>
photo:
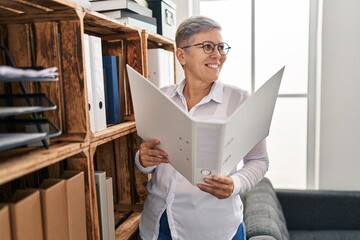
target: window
<point>265,35</point>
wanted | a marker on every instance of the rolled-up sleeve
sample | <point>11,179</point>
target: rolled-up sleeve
<point>140,167</point>
<point>255,166</point>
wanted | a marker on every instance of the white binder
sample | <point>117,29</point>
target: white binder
<point>97,77</point>
<point>161,67</point>
<point>87,59</point>
<point>199,149</point>
<point>101,193</point>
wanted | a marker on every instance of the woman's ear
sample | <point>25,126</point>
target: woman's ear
<point>180,55</point>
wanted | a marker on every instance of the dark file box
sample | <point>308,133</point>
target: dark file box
<point>165,13</point>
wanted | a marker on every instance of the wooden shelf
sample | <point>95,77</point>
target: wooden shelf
<point>20,161</point>
<point>156,40</point>
<point>50,33</point>
<point>113,132</point>
<point>107,28</point>
<point>22,11</point>
<point>129,227</point>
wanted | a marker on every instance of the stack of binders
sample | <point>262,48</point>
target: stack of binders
<point>103,80</point>
<point>133,13</point>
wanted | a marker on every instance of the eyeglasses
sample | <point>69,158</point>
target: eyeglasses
<point>209,47</point>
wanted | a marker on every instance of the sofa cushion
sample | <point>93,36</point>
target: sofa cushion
<point>263,213</point>
<point>265,187</point>
<point>328,210</point>
<point>262,226</point>
<point>256,211</point>
<point>327,234</point>
<point>260,201</point>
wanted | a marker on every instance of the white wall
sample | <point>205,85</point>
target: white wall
<point>184,9</point>
<point>339,146</point>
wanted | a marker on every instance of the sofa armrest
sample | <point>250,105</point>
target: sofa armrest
<point>320,210</point>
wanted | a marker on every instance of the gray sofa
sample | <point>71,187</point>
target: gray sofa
<point>301,214</point>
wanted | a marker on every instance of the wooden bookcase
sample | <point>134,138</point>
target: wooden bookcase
<point>50,33</point>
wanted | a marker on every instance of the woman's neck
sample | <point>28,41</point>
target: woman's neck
<point>193,93</point>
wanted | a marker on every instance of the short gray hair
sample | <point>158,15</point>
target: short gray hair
<point>192,26</point>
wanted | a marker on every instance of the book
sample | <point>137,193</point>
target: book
<point>138,23</point>
<point>122,92</point>
<point>110,206</point>
<point>110,64</point>
<point>97,78</point>
<point>107,5</point>
<point>101,193</point>
<point>201,148</point>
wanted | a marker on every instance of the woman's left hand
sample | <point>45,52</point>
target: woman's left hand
<point>219,186</point>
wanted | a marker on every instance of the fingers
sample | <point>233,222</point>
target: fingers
<point>150,155</point>
<point>219,186</point>
<point>150,143</point>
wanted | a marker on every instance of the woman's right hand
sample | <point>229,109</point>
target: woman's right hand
<point>149,155</point>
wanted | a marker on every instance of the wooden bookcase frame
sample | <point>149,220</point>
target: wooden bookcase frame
<point>50,33</point>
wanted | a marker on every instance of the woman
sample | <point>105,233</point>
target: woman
<point>174,208</point>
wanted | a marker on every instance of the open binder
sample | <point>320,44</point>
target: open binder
<point>196,148</point>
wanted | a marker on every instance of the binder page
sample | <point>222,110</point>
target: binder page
<point>250,123</point>
<point>158,117</point>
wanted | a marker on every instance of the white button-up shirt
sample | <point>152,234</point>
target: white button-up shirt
<point>192,213</point>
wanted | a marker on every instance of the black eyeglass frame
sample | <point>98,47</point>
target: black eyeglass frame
<point>222,52</point>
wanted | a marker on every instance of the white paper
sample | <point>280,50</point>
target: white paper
<point>11,72</point>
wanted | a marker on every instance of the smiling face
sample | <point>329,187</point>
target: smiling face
<point>199,66</point>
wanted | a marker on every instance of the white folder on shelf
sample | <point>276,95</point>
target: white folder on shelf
<point>199,149</point>
<point>110,208</point>
<point>97,78</point>
<point>161,67</point>
<point>87,59</point>
<point>101,193</point>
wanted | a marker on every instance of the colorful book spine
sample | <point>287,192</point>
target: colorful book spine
<point>112,99</point>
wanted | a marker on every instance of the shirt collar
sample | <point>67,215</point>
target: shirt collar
<point>216,92</point>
